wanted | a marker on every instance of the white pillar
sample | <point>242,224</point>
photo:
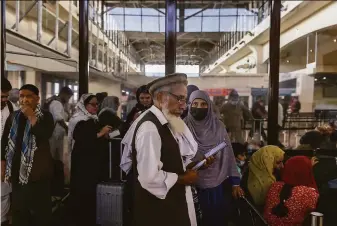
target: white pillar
<point>39,20</point>
<point>30,77</point>
<point>258,55</point>
<point>305,91</point>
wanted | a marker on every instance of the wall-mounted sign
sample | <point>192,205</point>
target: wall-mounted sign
<point>264,91</point>
<point>218,92</point>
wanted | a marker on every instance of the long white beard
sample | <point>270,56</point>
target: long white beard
<point>176,123</point>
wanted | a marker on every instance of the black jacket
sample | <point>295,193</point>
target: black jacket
<point>43,130</point>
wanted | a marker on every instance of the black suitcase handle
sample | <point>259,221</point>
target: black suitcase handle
<point>110,158</point>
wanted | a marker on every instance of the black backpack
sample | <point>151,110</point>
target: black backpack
<point>47,103</point>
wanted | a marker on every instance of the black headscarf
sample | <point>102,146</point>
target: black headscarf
<point>190,90</point>
<point>139,107</point>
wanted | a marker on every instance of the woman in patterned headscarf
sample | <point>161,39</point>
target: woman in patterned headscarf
<point>290,201</point>
<point>262,167</point>
<point>86,137</point>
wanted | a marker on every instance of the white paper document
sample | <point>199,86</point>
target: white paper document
<point>211,152</point>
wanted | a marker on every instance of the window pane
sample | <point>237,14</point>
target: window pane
<point>211,12</point>
<point>75,97</point>
<point>242,11</point>
<point>149,12</point>
<point>150,24</point>
<point>193,24</point>
<point>210,24</point>
<point>120,22</point>
<point>56,88</point>
<point>118,10</point>
<point>189,12</point>
<point>177,25</point>
<point>133,11</point>
<point>162,24</point>
<point>133,23</point>
<point>251,22</point>
<point>227,23</point>
<point>240,23</point>
<point>228,11</point>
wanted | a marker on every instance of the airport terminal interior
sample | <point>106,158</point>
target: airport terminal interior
<point>267,67</point>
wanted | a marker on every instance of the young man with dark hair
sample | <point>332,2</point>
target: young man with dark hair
<point>26,161</point>
<point>6,109</point>
<point>259,113</point>
<point>56,106</point>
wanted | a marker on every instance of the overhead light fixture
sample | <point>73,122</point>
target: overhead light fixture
<point>310,50</point>
<point>315,79</point>
<point>324,78</point>
<point>335,40</point>
<point>288,61</point>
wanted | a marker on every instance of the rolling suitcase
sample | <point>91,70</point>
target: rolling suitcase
<point>109,198</point>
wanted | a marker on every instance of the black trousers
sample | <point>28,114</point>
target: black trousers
<point>31,204</point>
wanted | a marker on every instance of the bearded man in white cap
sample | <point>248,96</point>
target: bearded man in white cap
<point>158,147</point>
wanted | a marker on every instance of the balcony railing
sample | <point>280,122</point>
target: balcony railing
<point>54,25</point>
<point>260,10</point>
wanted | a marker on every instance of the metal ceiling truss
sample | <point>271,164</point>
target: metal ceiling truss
<point>191,49</point>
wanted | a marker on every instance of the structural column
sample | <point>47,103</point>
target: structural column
<point>274,58</point>
<point>170,36</point>
<point>83,47</point>
<point>3,37</point>
<point>181,17</point>
<point>70,29</point>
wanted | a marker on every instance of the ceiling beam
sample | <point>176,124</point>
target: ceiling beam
<point>181,46</point>
<point>196,13</point>
<point>150,6</point>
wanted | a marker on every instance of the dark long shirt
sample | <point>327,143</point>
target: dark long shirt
<point>42,164</point>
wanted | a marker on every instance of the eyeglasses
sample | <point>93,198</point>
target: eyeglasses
<point>4,96</point>
<point>180,99</point>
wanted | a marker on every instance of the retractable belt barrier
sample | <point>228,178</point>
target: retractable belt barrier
<point>293,123</point>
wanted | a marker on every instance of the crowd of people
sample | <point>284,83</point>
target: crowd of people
<point>168,132</point>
